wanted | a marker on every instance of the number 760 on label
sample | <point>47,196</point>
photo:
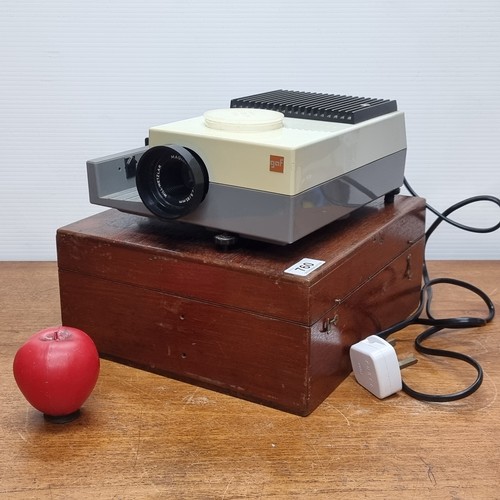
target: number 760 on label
<point>304,267</point>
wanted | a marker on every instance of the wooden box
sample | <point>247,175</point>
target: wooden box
<point>161,297</point>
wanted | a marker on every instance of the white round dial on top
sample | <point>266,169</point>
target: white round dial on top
<point>243,119</point>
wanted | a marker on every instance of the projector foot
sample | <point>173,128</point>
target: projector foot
<point>225,242</point>
<point>389,197</point>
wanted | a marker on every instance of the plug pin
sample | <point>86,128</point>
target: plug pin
<point>404,363</point>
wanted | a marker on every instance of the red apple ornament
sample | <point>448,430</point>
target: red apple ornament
<point>56,370</point>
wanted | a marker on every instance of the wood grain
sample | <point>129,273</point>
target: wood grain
<point>146,436</point>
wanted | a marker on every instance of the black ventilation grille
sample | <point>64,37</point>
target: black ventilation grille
<point>315,106</point>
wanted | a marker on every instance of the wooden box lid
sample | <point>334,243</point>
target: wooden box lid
<point>181,259</point>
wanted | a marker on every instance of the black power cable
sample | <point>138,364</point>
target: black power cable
<point>437,325</point>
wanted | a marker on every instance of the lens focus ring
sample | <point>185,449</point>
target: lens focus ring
<point>171,180</point>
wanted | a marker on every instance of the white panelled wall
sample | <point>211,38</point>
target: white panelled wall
<point>80,80</point>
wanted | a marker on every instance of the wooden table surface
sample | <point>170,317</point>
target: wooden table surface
<point>141,435</point>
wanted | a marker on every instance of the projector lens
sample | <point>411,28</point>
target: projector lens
<point>171,180</point>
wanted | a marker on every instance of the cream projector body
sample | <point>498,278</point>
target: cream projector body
<point>273,167</point>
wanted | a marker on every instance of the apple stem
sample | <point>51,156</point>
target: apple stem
<point>59,334</point>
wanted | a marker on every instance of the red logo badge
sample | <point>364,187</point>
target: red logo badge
<point>276,163</point>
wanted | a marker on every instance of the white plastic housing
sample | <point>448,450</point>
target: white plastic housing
<point>376,366</point>
<point>292,156</point>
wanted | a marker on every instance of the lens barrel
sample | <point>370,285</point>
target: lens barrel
<point>171,180</point>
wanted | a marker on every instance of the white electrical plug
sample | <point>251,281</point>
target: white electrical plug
<point>376,366</point>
